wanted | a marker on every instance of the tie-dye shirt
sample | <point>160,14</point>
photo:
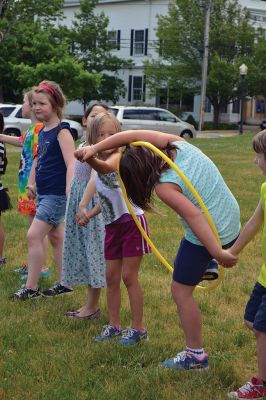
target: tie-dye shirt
<point>29,140</point>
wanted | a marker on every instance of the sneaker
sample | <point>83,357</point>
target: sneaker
<point>22,270</point>
<point>185,360</point>
<point>251,390</point>
<point>56,290</point>
<point>108,332</point>
<point>45,272</point>
<point>211,272</point>
<point>25,293</point>
<point>132,336</point>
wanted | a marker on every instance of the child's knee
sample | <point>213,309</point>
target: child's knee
<point>180,292</point>
<point>32,237</point>
<point>129,279</point>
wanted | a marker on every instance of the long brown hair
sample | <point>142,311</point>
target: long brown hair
<point>140,170</point>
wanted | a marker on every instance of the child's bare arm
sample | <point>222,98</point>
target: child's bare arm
<point>84,215</point>
<point>88,192</point>
<point>158,139</point>
<point>31,186</point>
<point>171,195</point>
<point>67,146</point>
<point>104,167</point>
<point>249,231</point>
<point>14,140</point>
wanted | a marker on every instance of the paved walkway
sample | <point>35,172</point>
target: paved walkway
<point>224,133</point>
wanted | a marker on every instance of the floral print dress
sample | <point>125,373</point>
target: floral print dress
<point>83,252</point>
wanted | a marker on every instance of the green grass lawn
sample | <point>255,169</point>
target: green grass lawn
<point>46,356</point>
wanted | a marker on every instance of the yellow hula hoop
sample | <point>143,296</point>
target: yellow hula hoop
<point>213,284</point>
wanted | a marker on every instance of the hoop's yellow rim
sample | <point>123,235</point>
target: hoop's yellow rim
<point>213,284</point>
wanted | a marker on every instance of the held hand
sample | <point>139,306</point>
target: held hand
<point>31,191</point>
<point>84,154</point>
<point>227,259</point>
<point>82,216</point>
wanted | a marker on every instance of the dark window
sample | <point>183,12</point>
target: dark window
<point>150,115</point>
<point>137,87</point>
<point>132,114</point>
<point>236,107</point>
<point>165,116</point>
<point>114,39</point>
<point>207,105</point>
<point>260,106</point>
<point>19,113</point>
<point>6,111</point>
<point>139,42</point>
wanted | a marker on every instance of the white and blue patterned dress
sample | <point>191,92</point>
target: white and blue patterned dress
<point>83,253</point>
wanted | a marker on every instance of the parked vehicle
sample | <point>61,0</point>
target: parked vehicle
<point>263,124</point>
<point>153,118</point>
<point>15,124</point>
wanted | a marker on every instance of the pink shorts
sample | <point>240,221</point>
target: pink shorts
<point>125,240</point>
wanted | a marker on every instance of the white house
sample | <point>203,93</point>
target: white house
<point>132,26</point>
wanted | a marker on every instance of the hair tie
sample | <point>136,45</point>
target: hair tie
<point>47,87</point>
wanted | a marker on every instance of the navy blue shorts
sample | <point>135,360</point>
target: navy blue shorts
<point>191,262</point>
<point>255,311</point>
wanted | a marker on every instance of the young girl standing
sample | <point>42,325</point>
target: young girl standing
<point>54,169</point>
<point>4,198</point>
<point>83,252</point>
<point>255,312</point>
<point>124,246</point>
<point>143,171</point>
<point>28,141</point>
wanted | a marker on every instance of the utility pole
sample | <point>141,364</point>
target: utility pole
<point>205,63</point>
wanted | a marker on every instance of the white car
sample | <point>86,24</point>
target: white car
<point>152,118</point>
<point>15,124</point>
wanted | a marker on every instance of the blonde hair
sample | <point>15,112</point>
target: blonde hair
<point>55,94</point>
<point>96,124</point>
<point>28,94</point>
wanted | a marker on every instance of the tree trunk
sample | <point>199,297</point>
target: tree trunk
<point>216,115</point>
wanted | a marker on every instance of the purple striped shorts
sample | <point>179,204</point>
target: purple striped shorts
<point>125,240</point>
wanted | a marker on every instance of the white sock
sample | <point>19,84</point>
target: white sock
<point>198,353</point>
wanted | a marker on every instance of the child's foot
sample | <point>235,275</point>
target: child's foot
<point>82,316</point>
<point>26,293</point>
<point>186,361</point>
<point>211,272</point>
<point>251,390</point>
<point>108,332</point>
<point>57,290</point>
<point>132,336</point>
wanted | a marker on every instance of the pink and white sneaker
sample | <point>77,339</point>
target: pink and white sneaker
<point>251,390</point>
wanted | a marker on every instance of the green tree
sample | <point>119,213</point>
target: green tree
<point>35,47</point>
<point>90,44</point>
<point>180,45</point>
